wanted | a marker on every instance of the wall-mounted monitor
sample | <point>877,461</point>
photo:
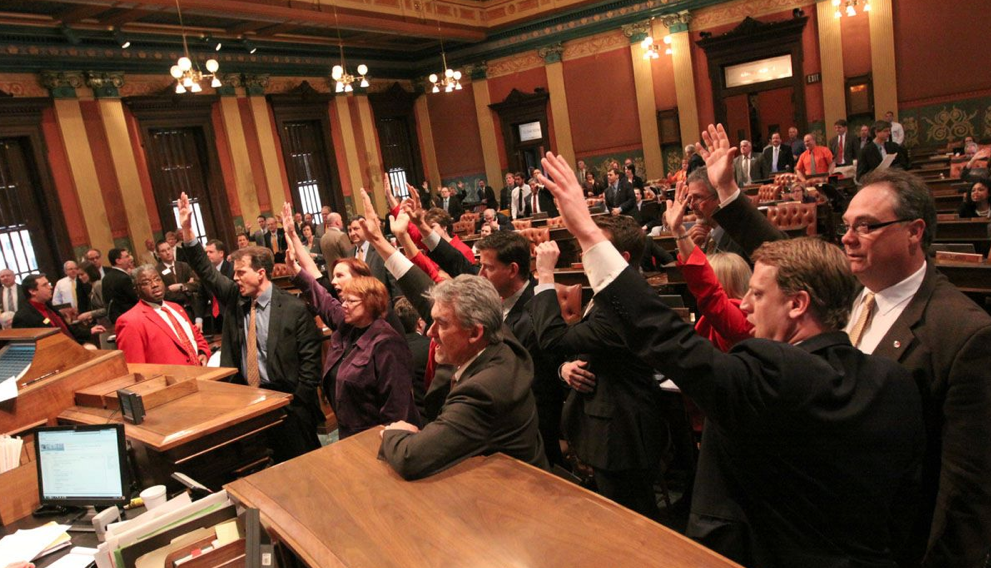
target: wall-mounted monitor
<point>530,131</point>
<point>759,71</point>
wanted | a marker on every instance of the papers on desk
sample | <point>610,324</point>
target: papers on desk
<point>26,545</point>
<point>10,453</point>
<point>78,557</point>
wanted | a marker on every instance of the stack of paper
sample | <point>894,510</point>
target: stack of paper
<point>26,545</point>
<point>10,452</point>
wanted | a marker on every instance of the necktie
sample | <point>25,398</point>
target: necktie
<point>812,161</point>
<point>536,204</point>
<point>216,308</point>
<point>774,162</point>
<point>839,151</point>
<point>75,299</point>
<point>254,377</point>
<point>182,337</point>
<point>10,299</point>
<point>522,205</point>
<point>359,253</point>
<point>445,204</point>
<point>275,242</point>
<point>866,314</point>
<point>746,169</point>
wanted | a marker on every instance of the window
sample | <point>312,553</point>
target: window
<point>770,69</point>
<point>16,248</point>
<point>307,166</point>
<point>199,230</point>
<point>398,180</point>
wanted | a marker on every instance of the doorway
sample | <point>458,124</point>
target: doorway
<point>523,117</point>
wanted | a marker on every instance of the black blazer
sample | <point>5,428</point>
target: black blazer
<point>786,161</point>
<point>118,293</point>
<point>618,426</point>
<point>489,198</point>
<point>814,449</point>
<point>17,291</point>
<point>547,204</point>
<point>505,196</point>
<point>694,163</point>
<point>180,275</point>
<point>293,350</point>
<point>27,317</point>
<point>454,207</point>
<point>377,265</point>
<point>870,157</point>
<point>623,197</point>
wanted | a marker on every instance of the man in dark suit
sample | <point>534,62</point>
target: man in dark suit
<point>259,235</point>
<point>268,336</point>
<point>367,253</point>
<point>118,288</point>
<point>181,285</point>
<point>620,199</point>
<point>694,160</point>
<point>707,233</point>
<point>839,432</point>
<point>490,407</point>
<point>216,251</point>
<point>487,195</point>
<point>274,239</point>
<point>37,311</point>
<point>612,417</point>
<point>498,221</point>
<point>506,195</point>
<point>778,157</point>
<point>541,201</point>
<point>844,148</point>
<point>419,346</point>
<point>935,332</point>
<point>874,153</point>
<point>645,213</point>
<point>451,204</point>
<point>748,168</point>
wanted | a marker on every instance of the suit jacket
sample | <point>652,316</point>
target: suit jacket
<point>786,160</point>
<point>454,207</point>
<point>259,237</point>
<point>851,147</point>
<point>505,197</point>
<point>757,171</point>
<point>144,337</point>
<point>490,409</point>
<point>267,240</point>
<point>647,213</point>
<point>546,201</point>
<point>118,293</point>
<point>623,197</point>
<point>619,425</point>
<point>293,349</point>
<point>489,198</point>
<point>870,158</point>
<point>419,346</point>
<point>18,292</point>
<point>181,274</point>
<point>335,245</point>
<point>226,268</point>
<point>815,446</point>
<point>938,338</point>
<point>377,265</point>
<point>28,317</point>
<point>694,163</point>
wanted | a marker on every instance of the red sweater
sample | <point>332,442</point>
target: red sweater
<point>722,320</point>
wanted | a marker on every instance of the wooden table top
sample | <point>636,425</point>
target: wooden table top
<point>214,407</point>
<point>340,506</point>
<point>185,371</point>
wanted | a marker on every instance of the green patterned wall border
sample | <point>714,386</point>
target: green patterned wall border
<point>818,129</point>
<point>673,153</point>
<point>124,243</point>
<point>469,179</point>
<point>600,163</point>
<point>79,251</point>
<point>937,125</point>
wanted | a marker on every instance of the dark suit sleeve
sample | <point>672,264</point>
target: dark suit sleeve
<point>450,259</point>
<point>626,199</point>
<point>962,519</point>
<point>746,225</point>
<point>461,431</point>
<point>592,335</point>
<point>394,371</point>
<point>317,297</point>
<point>414,285</point>
<point>308,350</point>
<point>216,283</point>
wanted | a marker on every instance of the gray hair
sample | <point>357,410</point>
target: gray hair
<point>690,149</point>
<point>474,301</point>
<point>137,272</point>
<point>701,175</point>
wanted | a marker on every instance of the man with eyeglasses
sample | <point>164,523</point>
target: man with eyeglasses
<point>912,314</point>
<point>706,233</point>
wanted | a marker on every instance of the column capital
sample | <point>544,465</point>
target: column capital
<point>637,31</point>
<point>256,84</point>
<point>105,84</point>
<point>551,53</point>
<point>677,22</point>
<point>62,84</point>
<point>229,82</point>
<point>477,71</point>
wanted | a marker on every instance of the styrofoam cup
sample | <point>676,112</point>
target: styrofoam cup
<point>154,496</point>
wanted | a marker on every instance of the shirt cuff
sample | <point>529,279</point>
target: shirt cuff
<point>603,264</point>
<point>542,288</point>
<point>431,240</point>
<point>730,199</point>
<point>398,265</point>
<point>198,320</point>
<point>189,243</point>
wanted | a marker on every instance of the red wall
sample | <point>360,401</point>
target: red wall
<point>455,129</point>
<point>940,49</point>
<point>856,38</point>
<point>526,82</point>
<point>62,178</point>
<point>602,102</point>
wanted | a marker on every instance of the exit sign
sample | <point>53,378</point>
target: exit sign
<point>813,78</point>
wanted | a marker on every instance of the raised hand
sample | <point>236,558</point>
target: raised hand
<point>390,197</point>
<point>288,225</point>
<point>185,212</point>
<point>547,255</point>
<point>399,224</point>
<point>414,197</point>
<point>370,225</point>
<point>674,215</point>
<point>718,156</point>
<point>571,201</point>
<point>291,263</point>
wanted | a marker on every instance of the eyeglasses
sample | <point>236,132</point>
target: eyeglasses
<point>864,228</point>
<point>351,302</point>
<point>691,200</point>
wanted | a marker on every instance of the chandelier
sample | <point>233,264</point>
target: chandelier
<point>187,78</point>
<point>652,50</point>
<point>851,7</point>
<point>451,79</point>
<point>340,72</point>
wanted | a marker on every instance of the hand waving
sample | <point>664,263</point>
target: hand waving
<point>563,184</point>
<point>288,225</point>
<point>718,156</point>
<point>674,215</point>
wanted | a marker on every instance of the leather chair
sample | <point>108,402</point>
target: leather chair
<point>768,193</point>
<point>555,222</point>
<point>570,300</point>
<point>790,216</point>
<point>464,227</point>
<point>473,217</point>
<point>280,269</point>
<point>520,224</point>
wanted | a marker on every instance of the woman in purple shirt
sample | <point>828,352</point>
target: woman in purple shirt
<point>368,368</point>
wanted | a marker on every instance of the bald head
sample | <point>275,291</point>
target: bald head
<point>7,277</point>
<point>335,220</point>
<point>71,269</point>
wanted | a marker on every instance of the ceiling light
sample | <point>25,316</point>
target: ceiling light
<point>121,39</point>
<point>186,73</point>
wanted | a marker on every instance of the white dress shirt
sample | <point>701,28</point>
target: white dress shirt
<point>890,303</point>
<point>63,293</point>
<point>897,132</point>
<point>514,202</point>
<point>160,310</point>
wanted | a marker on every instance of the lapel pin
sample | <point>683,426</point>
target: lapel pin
<point>897,344</point>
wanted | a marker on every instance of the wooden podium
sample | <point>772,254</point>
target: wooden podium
<point>210,430</point>
<point>340,506</point>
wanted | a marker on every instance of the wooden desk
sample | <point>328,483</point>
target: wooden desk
<point>211,435</point>
<point>966,276</point>
<point>340,506</point>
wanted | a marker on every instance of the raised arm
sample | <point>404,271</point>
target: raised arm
<point>216,283</point>
<point>302,253</point>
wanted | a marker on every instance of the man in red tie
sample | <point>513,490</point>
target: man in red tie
<point>157,331</point>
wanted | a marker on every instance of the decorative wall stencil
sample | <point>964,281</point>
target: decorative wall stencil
<point>514,64</point>
<point>594,45</point>
<point>949,124</point>
<point>673,155</point>
<point>987,123</point>
<point>911,126</point>
<point>934,126</point>
<point>25,85</point>
<point>733,12</point>
<point>600,163</point>
<point>471,180</point>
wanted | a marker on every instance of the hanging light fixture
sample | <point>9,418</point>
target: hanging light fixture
<point>850,7</point>
<point>652,50</point>
<point>187,77</point>
<point>451,79</point>
<point>339,73</point>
